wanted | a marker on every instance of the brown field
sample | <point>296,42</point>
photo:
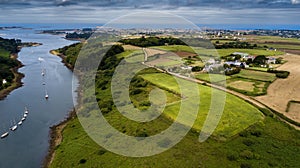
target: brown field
<point>281,91</point>
<point>185,54</point>
<point>242,85</point>
<point>291,51</point>
<point>294,111</point>
<point>152,52</point>
<point>131,47</point>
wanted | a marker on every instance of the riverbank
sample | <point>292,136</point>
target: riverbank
<point>56,138</point>
<point>56,131</point>
<point>63,57</point>
<point>17,81</point>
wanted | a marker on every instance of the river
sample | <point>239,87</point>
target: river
<point>28,145</point>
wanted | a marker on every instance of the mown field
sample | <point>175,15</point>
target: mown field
<point>256,75</point>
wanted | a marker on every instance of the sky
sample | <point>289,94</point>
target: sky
<point>198,11</point>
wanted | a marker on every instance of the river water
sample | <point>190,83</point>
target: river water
<point>28,145</point>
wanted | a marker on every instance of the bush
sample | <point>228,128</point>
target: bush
<point>196,69</point>
<point>248,142</point>
<point>145,103</point>
<point>279,74</point>
<point>82,161</point>
<point>232,157</point>
<point>246,165</point>
<point>246,154</point>
<point>136,91</point>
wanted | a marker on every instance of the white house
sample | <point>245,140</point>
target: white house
<point>271,60</point>
<point>4,81</point>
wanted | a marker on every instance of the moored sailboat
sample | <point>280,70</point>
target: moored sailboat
<point>4,135</point>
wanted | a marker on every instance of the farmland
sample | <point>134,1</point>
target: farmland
<point>256,75</point>
<point>234,119</point>
<point>246,136</point>
<point>247,146</point>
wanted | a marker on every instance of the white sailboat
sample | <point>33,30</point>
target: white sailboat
<point>43,72</point>
<point>26,111</point>
<point>46,95</point>
<point>20,122</point>
<point>4,135</point>
<point>14,127</point>
<point>25,115</point>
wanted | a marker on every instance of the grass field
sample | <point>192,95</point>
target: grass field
<point>238,115</point>
<point>256,75</point>
<point>248,87</point>
<point>267,143</point>
<point>218,52</point>
<point>225,52</point>
<point>212,78</point>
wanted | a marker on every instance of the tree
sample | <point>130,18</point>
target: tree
<point>260,60</point>
<point>196,69</point>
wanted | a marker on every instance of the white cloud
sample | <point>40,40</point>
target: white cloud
<point>295,1</point>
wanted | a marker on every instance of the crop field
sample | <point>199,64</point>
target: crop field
<point>225,52</point>
<point>248,86</point>
<point>217,52</point>
<point>212,78</point>
<point>256,75</point>
<point>237,115</point>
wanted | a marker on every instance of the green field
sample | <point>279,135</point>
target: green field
<point>237,116</point>
<point>218,52</point>
<point>244,137</point>
<point>256,75</point>
<point>211,78</point>
<point>225,52</point>
<point>248,87</point>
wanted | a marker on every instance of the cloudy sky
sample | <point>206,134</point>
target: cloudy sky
<point>198,11</point>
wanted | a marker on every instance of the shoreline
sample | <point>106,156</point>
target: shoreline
<point>69,66</point>
<point>56,138</point>
<point>17,81</point>
<point>55,133</point>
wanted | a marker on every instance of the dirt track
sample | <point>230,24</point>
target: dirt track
<point>282,91</point>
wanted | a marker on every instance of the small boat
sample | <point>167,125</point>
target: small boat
<point>40,59</point>
<point>23,119</point>
<point>20,122</point>
<point>13,128</point>
<point>43,72</point>
<point>46,95</point>
<point>26,111</point>
<point>25,115</point>
<point>4,135</point>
